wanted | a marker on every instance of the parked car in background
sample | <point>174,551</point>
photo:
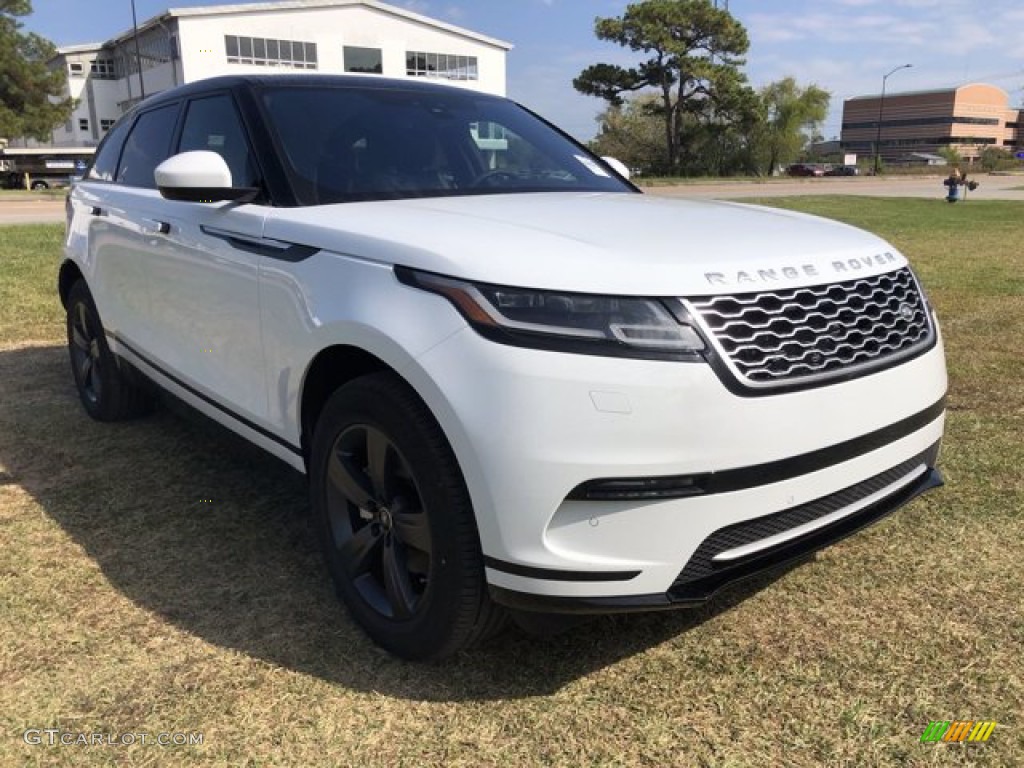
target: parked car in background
<point>514,389</point>
<point>843,170</point>
<point>805,169</point>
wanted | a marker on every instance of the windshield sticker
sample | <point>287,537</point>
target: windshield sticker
<point>591,166</point>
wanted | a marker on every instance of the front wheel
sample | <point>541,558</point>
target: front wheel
<point>396,523</point>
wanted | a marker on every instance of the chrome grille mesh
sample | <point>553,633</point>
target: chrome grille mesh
<point>774,338</point>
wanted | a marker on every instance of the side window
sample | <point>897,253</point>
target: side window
<point>213,124</point>
<point>148,145</point>
<point>104,164</point>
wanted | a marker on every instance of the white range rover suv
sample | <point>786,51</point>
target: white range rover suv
<point>515,383</point>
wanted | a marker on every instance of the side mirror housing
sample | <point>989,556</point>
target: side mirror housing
<point>618,166</point>
<point>199,176</point>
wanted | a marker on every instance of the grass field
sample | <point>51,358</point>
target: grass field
<point>162,577</point>
<point>36,194</point>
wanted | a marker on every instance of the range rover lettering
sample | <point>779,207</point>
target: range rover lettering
<point>516,384</point>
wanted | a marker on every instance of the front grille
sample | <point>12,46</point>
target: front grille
<point>781,337</point>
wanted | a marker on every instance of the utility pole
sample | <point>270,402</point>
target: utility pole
<point>881,105</point>
<point>138,54</point>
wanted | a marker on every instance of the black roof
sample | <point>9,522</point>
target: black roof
<point>231,82</point>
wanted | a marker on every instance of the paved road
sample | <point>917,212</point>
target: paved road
<point>31,211</point>
<point>991,188</point>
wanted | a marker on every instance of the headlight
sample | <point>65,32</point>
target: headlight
<point>569,322</point>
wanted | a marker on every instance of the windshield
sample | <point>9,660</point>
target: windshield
<point>343,144</point>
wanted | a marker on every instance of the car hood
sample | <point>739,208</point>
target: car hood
<point>627,244</point>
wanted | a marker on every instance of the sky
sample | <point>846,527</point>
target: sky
<point>843,46</point>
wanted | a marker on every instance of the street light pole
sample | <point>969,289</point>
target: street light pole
<point>881,106</point>
<point>138,54</point>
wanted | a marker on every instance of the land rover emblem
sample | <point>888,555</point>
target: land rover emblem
<point>907,312</point>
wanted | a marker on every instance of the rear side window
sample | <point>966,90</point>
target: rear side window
<point>104,164</point>
<point>148,145</point>
<point>213,124</point>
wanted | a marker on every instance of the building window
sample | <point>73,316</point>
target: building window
<point>156,48</point>
<point>265,52</point>
<point>363,60</point>
<point>77,69</point>
<point>443,65</point>
<point>83,123</point>
<point>102,69</point>
<point>916,121</point>
<point>106,124</point>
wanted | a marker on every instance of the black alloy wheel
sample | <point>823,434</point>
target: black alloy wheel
<point>377,521</point>
<point>84,345</point>
<point>396,523</point>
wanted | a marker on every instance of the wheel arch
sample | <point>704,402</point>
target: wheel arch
<point>336,365</point>
<point>69,275</point>
<point>331,368</point>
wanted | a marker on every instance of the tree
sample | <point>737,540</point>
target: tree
<point>716,139</point>
<point>788,113</point>
<point>29,101</point>
<point>951,155</point>
<point>632,132</point>
<point>997,159</point>
<point>693,54</point>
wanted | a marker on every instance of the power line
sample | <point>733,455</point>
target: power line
<point>998,76</point>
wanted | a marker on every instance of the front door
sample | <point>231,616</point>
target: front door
<point>204,287</point>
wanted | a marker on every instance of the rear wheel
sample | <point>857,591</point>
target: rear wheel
<point>396,523</point>
<point>107,392</point>
<point>40,184</point>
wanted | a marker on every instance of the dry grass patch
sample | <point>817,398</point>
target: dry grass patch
<point>161,576</point>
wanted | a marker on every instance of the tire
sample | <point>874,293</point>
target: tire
<point>107,392</point>
<point>40,185</point>
<point>396,523</point>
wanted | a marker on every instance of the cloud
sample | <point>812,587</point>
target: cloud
<point>543,83</point>
<point>417,6</point>
<point>862,29</point>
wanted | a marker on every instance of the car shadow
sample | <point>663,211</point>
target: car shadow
<point>197,527</point>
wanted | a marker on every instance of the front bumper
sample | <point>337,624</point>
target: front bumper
<point>824,522</point>
<point>529,428</point>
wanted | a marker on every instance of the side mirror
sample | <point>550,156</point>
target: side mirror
<point>619,166</point>
<point>200,176</point>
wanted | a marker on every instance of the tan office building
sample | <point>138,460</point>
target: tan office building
<point>969,118</point>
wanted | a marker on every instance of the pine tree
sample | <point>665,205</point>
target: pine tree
<point>30,101</point>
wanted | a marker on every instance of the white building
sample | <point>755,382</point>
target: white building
<point>182,45</point>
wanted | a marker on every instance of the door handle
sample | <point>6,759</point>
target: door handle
<point>96,210</point>
<point>155,227</point>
